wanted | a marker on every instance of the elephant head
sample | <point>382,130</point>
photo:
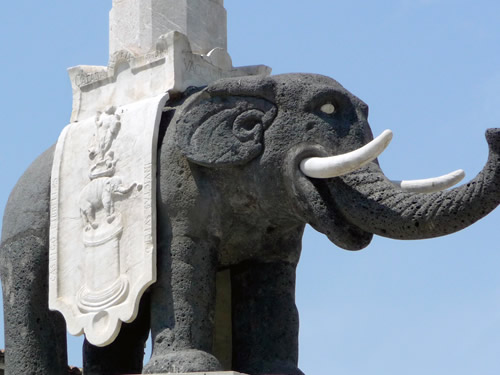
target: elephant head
<point>261,137</point>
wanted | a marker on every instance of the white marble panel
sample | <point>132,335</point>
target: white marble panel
<point>103,224</point>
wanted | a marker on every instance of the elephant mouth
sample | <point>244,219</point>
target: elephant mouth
<point>315,202</point>
<point>313,179</point>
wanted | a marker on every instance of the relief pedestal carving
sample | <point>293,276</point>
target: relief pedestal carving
<point>104,285</point>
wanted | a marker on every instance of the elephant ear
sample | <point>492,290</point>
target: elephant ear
<point>215,128</point>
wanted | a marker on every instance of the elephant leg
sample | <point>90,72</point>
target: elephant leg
<point>108,205</point>
<point>87,214</point>
<point>125,355</point>
<point>35,338</point>
<point>183,308</point>
<point>265,318</point>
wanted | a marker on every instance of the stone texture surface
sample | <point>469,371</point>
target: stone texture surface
<point>103,218</point>
<point>24,268</point>
<point>125,354</point>
<point>223,331</point>
<point>135,25</point>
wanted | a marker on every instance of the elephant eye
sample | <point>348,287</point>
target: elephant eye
<point>328,108</point>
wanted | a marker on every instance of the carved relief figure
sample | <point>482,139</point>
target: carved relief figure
<point>104,285</point>
<point>107,127</point>
<point>100,194</point>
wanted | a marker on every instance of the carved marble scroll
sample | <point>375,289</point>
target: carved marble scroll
<point>103,227</point>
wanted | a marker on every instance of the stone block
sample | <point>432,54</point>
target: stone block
<point>170,67</point>
<point>208,373</point>
<point>136,25</point>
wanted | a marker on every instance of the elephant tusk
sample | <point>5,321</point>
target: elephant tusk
<point>338,165</point>
<point>431,185</point>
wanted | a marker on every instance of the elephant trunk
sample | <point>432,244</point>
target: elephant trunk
<point>370,201</point>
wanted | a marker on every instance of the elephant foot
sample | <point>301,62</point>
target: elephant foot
<point>91,226</point>
<point>183,361</point>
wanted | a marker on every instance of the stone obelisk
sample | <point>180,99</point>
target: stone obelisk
<point>103,207</point>
<point>136,25</point>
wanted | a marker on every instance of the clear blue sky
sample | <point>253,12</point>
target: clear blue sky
<point>430,71</point>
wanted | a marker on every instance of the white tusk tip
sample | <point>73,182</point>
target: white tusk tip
<point>432,185</point>
<point>334,166</point>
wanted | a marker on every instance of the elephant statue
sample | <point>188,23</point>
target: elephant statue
<point>243,165</point>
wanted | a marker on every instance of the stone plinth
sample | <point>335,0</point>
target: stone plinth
<point>135,25</point>
<point>208,373</point>
<point>170,67</point>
